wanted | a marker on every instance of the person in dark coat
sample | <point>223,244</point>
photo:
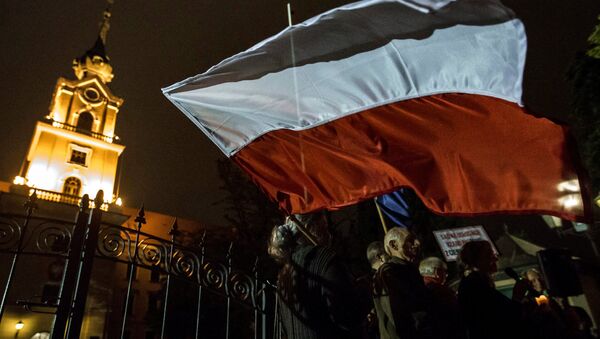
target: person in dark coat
<point>445,312</point>
<point>317,298</point>
<point>487,313</point>
<point>399,294</point>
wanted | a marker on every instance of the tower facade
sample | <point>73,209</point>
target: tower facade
<point>74,150</point>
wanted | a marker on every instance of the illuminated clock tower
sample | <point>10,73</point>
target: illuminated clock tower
<point>75,151</point>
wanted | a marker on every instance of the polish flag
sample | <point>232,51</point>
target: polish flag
<point>380,94</point>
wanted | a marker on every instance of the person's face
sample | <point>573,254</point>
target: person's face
<point>535,280</point>
<point>488,261</point>
<point>381,259</point>
<point>410,248</point>
<point>440,275</point>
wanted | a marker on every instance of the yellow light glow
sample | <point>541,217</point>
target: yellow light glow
<point>570,201</point>
<point>39,176</point>
<point>597,200</point>
<point>19,326</point>
<point>569,186</point>
<point>19,180</point>
<point>78,137</point>
<point>119,202</point>
<point>541,300</point>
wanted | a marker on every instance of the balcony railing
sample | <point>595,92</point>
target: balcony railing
<point>62,125</point>
<point>64,198</point>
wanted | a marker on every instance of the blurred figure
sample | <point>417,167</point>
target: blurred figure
<point>445,311</point>
<point>316,295</point>
<point>376,256</point>
<point>399,294</point>
<point>487,313</point>
<point>434,271</point>
<point>534,277</point>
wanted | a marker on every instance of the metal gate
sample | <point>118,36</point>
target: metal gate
<point>222,301</point>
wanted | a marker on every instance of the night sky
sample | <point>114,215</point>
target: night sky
<point>169,165</point>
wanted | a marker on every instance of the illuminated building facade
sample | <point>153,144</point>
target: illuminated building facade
<point>75,151</point>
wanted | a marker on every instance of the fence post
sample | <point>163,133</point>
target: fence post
<point>200,270</point>
<point>30,205</point>
<point>140,220</point>
<point>276,324</point>
<point>69,281</point>
<point>85,268</point>
<point>227,292</point>
<point>174,233</point>
<point>254,299</point>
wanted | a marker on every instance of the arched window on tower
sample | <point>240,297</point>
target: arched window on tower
<point>85,121</point>
<point>72,186</point>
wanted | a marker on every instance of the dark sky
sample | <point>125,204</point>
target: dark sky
<point>169,164</point>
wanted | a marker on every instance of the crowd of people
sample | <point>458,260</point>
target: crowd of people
<point>405,297</point>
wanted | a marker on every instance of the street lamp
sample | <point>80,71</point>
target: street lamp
<point>19,326</point>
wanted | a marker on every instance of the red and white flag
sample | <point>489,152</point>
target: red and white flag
<point>377,95</point>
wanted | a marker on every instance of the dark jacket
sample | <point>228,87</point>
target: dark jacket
<point>487,313</point>
<point>316,296</point>
<point>401,301</point>
<point>445,313</point>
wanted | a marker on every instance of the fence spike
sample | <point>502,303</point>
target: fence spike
<point>174,229</point>
<point>255,267</point>
<point>229,250</point>
<point>203,238</point>
<point>31,202</point>
<point>141,217</point>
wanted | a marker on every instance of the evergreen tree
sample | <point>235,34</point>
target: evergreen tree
<point>250,213</point>
<point>585,77</point>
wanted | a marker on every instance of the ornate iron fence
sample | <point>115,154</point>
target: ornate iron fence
<point>82,244</point>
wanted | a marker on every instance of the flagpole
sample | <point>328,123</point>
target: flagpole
<point>381,218</point>
<point>301,227</point>
<point>295,82</point>
<point>289,14</point>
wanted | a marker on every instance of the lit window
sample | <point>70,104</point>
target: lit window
<point>72,186</point>
<point>79,155</point>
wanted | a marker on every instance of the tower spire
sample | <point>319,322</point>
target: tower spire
<point>95,61</point>
<point>105,25</point>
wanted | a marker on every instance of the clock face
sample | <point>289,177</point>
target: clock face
<point>91,94</point>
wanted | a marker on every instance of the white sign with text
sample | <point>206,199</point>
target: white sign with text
<point>451,240</point>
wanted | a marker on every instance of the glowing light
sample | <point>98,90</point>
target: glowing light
<point>541,300</point>
<point>78,137</point>
<point>19,326</point>
<point>40,176</point>
<point>569,186</point>
<point>119,202</point>
<point>19,180</point>
<point>570,201</point>
<point>93,187</point>
<point>597,200</point>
